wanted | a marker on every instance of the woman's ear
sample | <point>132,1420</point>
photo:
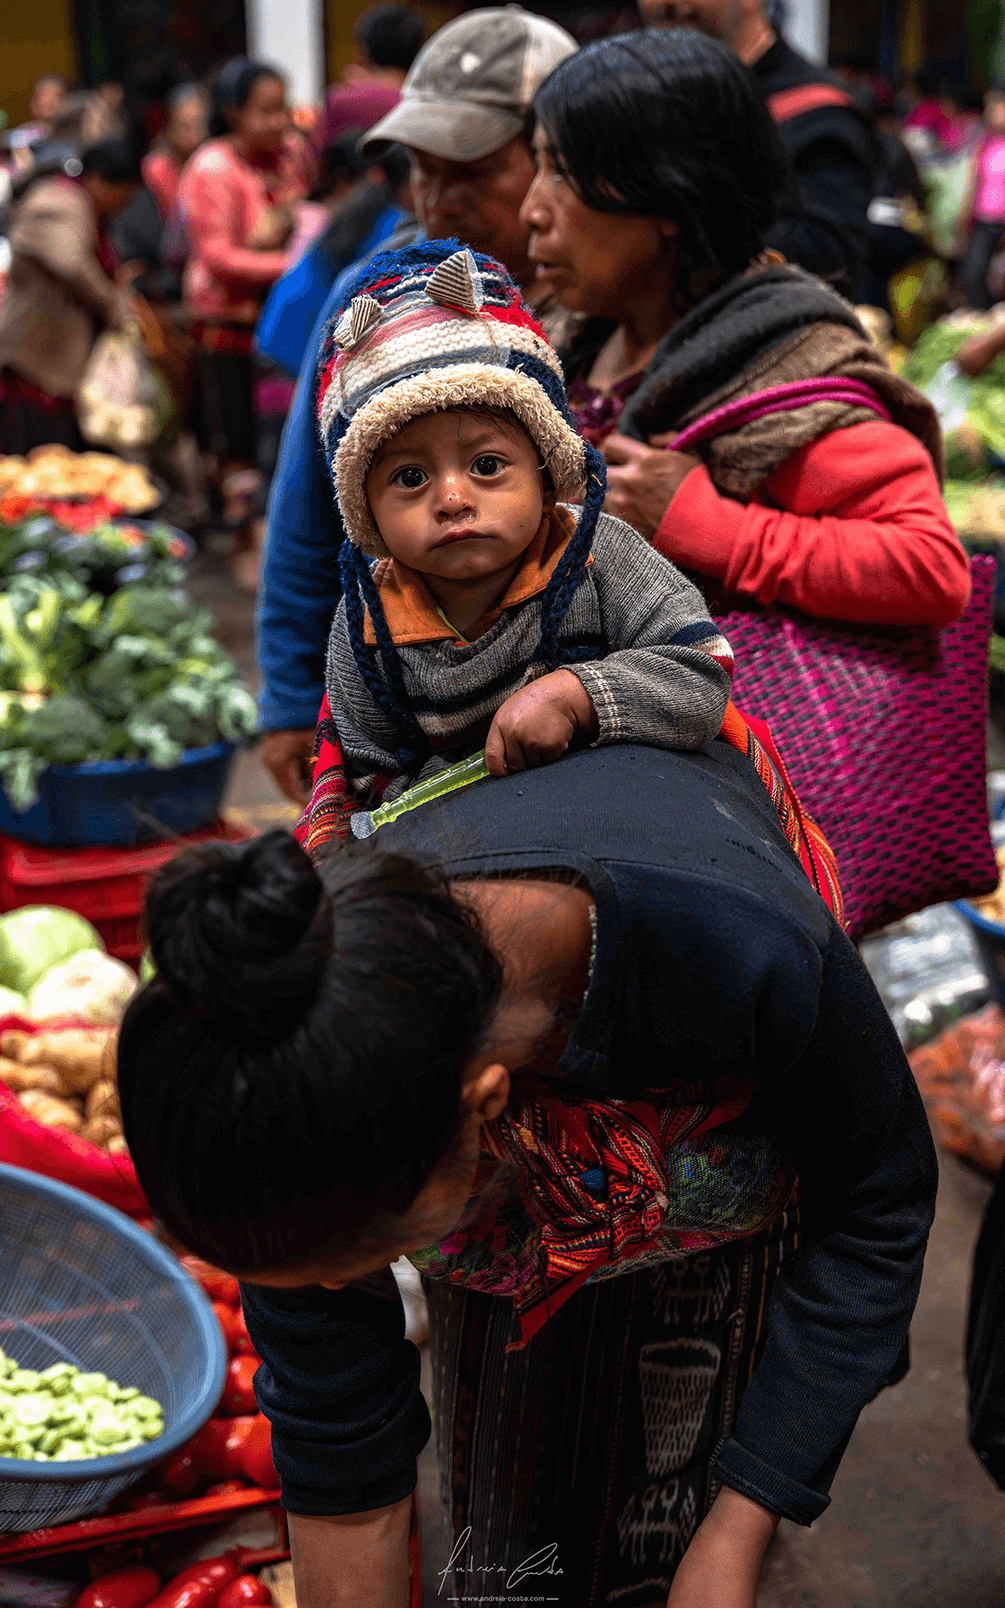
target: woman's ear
<point>668,231</point>
<point>486,1095</point>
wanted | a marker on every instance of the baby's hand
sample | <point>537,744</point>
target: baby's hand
<point>539,722</point>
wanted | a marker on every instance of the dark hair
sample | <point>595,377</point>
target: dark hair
<point>669,124</point>
<point>390,36</point>
<point>231,89</point>
<point>182,93</point>
<point>291,1077</point>
<point>115,161</point>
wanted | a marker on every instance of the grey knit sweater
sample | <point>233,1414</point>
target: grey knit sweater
<point>664,678</point>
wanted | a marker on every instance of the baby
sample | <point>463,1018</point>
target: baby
<point>495,615</point>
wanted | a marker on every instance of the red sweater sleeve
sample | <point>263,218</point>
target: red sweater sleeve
<point>212,228</point>
<point>858,530</point>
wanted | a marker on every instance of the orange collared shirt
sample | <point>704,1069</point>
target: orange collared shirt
<point>412,613</point>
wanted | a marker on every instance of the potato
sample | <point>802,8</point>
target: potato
<point>53,1113</point>
<point>100,1129</point>
<point>103,1099</point>
<point>78,1053</point>
<point>13,1042</point>
<point>117,1147</point>
<point>20,1078</point>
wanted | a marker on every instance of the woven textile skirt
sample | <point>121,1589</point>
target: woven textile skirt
<point>587,1453</point>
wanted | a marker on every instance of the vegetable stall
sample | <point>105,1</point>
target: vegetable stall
<point>119,718</point>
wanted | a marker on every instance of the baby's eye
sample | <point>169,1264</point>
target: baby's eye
<point>488,464</point>
<point>411,477</point>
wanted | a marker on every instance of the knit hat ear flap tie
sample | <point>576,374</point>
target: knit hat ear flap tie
<point>434,327</point>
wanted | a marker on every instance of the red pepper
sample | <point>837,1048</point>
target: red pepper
<point>256,1455</point>
<point>126,1588</point>
<point>245,1591</point>
<point>198,1586</point>
<point>148,1499</point>
<point>239,1391</point>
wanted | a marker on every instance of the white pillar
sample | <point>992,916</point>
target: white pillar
<point>807,27</point>
<point>289,34</point>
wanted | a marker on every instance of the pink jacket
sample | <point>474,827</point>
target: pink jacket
<point>220,198</point>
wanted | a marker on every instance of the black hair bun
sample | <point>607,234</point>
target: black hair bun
<point>241,933</point>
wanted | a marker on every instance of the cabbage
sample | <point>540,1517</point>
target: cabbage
<point>36,938</point>
<point>12,1004</point>
<point>90,985</point>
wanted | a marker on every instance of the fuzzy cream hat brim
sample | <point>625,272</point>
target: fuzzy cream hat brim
<point>438,390</point>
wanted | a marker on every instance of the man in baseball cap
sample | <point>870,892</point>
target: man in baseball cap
<point>465,116</point>
<point>468,91</point>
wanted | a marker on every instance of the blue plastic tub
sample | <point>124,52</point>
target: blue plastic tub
<point>989,936</point>
<point>122,801</point>
<point>80,1283</point>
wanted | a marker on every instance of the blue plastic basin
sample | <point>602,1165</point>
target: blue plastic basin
<point>122,801</point>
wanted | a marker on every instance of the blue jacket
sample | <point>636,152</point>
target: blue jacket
<point>300,586</point>
<point>296,301</point>
<point>713,952</point>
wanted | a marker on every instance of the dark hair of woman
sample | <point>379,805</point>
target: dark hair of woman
<point>115,161</point>
<point>231,89</point>
<point>291,1078</point>
<point>390,36</point>
<point>670,124</point>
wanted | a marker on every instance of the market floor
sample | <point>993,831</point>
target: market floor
<point>915,1521</point>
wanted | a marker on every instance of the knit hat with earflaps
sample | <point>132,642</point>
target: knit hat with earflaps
<point>431,327</point>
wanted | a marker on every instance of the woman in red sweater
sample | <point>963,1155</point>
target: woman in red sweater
<point>235,199</point>
<point>659,176</point>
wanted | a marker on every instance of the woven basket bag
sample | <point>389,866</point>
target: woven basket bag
<point>882,730</point>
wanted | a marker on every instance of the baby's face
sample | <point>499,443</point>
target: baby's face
<point>458,494</point>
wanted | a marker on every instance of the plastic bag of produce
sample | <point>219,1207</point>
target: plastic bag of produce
<point>58,1153</point>
<point>123,400</point>
<point>90,986</point>
<point>961,1075</point>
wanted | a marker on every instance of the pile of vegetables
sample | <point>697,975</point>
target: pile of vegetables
<point>235,1447</point>
<point>53,969</point>
<point>136,675</point>
<point>62,1415</point>
<point>213,1583</point>
<point>102,553</point>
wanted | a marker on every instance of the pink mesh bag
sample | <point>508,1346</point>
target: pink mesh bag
<point>882,730</point>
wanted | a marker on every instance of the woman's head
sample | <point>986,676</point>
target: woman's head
<point>306,1059</point>
<point>187,120</point>
<point>249,103</point>
<point>664,134</point>
<point>110,172</point>
<point>994,108</point>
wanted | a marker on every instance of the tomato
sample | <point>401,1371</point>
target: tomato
<point>245,1590</point>
<point>215,1572</point>
<point>218,1286</point>
<point>256,1455</point>
<point>242,1340</point>
<point>148,1499</point>
<point>225,1488</point>
<point>225,1316</point>
<point>126,1588</point>
<point>217,1447</point>
<point>238,1392</point>
<point>183,1473</point>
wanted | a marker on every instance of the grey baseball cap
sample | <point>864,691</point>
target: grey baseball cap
<point>469,89</point>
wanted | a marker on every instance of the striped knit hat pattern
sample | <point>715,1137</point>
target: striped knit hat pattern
<point>430,327</point>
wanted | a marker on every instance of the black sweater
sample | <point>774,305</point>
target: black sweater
<point>712,951</point>
<point>831,151</point>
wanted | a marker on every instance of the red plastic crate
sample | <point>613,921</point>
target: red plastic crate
<point>107,886</point>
